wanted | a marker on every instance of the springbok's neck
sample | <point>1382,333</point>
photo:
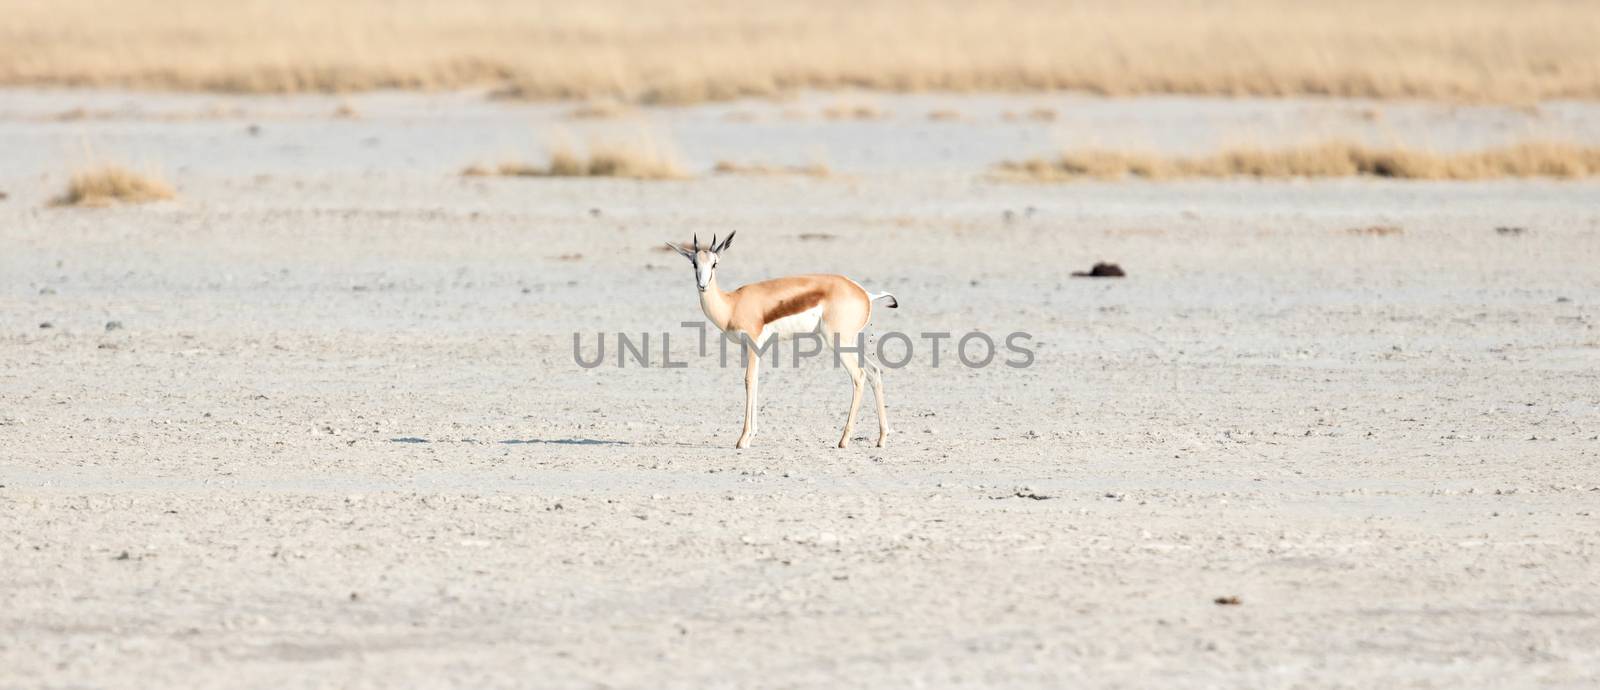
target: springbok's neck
<point>716,304</point>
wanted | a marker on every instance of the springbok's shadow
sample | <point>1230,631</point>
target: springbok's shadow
<point>521,441</point>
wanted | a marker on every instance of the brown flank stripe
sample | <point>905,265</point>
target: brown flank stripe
<point>789,306</point>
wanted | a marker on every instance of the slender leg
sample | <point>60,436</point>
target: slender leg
<point>857,382</point>
<point>751,375</point>
<point>875,371</point>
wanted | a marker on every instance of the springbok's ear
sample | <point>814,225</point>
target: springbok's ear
<point>686,253</point>
<point>725,242</point>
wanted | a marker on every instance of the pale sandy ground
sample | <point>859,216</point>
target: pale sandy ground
<point>342,442</point>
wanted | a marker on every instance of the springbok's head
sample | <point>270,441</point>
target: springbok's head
<point>704,259</point>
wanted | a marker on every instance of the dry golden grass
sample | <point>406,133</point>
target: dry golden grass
<point>945,115</point>
<point>601,109</point>
<point>853,111</point>
<point>1036,114</point>
<point>696,50</point>
<point>108,184</point>
<point>1377,230</point>
<point>1334,159</point>
<point>809,170</point>
<point>212,112</point>
<point>644,160</point>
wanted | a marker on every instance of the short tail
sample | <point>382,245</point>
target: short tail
<point>875,296</point>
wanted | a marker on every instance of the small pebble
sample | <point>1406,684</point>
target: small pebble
<point>113,326</point>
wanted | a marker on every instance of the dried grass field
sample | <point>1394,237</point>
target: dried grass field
<point>1473,50</point>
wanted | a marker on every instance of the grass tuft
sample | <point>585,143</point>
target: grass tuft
<point>853,111</point>
<point>110,184</point>
<point>1335,159</point>
<point>642,160</point>
<point>601,109</point>
<point>1035,114</point>
<point>1377,230</point>
<point>809,170</point>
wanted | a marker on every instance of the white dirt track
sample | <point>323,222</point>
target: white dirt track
<point>339,439</point>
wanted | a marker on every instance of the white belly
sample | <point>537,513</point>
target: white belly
<point>787,327</point>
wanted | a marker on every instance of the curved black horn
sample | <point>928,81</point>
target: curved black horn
<point>713,242</point>
<point>728,240</point>
<point>697,242</point>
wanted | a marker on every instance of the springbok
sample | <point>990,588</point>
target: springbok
<point>831,306</point>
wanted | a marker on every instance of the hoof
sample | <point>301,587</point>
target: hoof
<point>844,444</point>
<point>742,444</point>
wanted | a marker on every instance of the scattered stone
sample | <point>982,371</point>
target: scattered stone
<point>355,597</point>
<point>4,196</point>
<point>1510,230</point>
<point>1377,230</point>
<point>47,291</point>
<point>1226,601</point>
<point>818,236</point>
<point>1029,493</point>
<point>1563,300</point>
<point>46,324</point>
<point>122,556</point>
<point>1101,270</point>
<point>113,326</point>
